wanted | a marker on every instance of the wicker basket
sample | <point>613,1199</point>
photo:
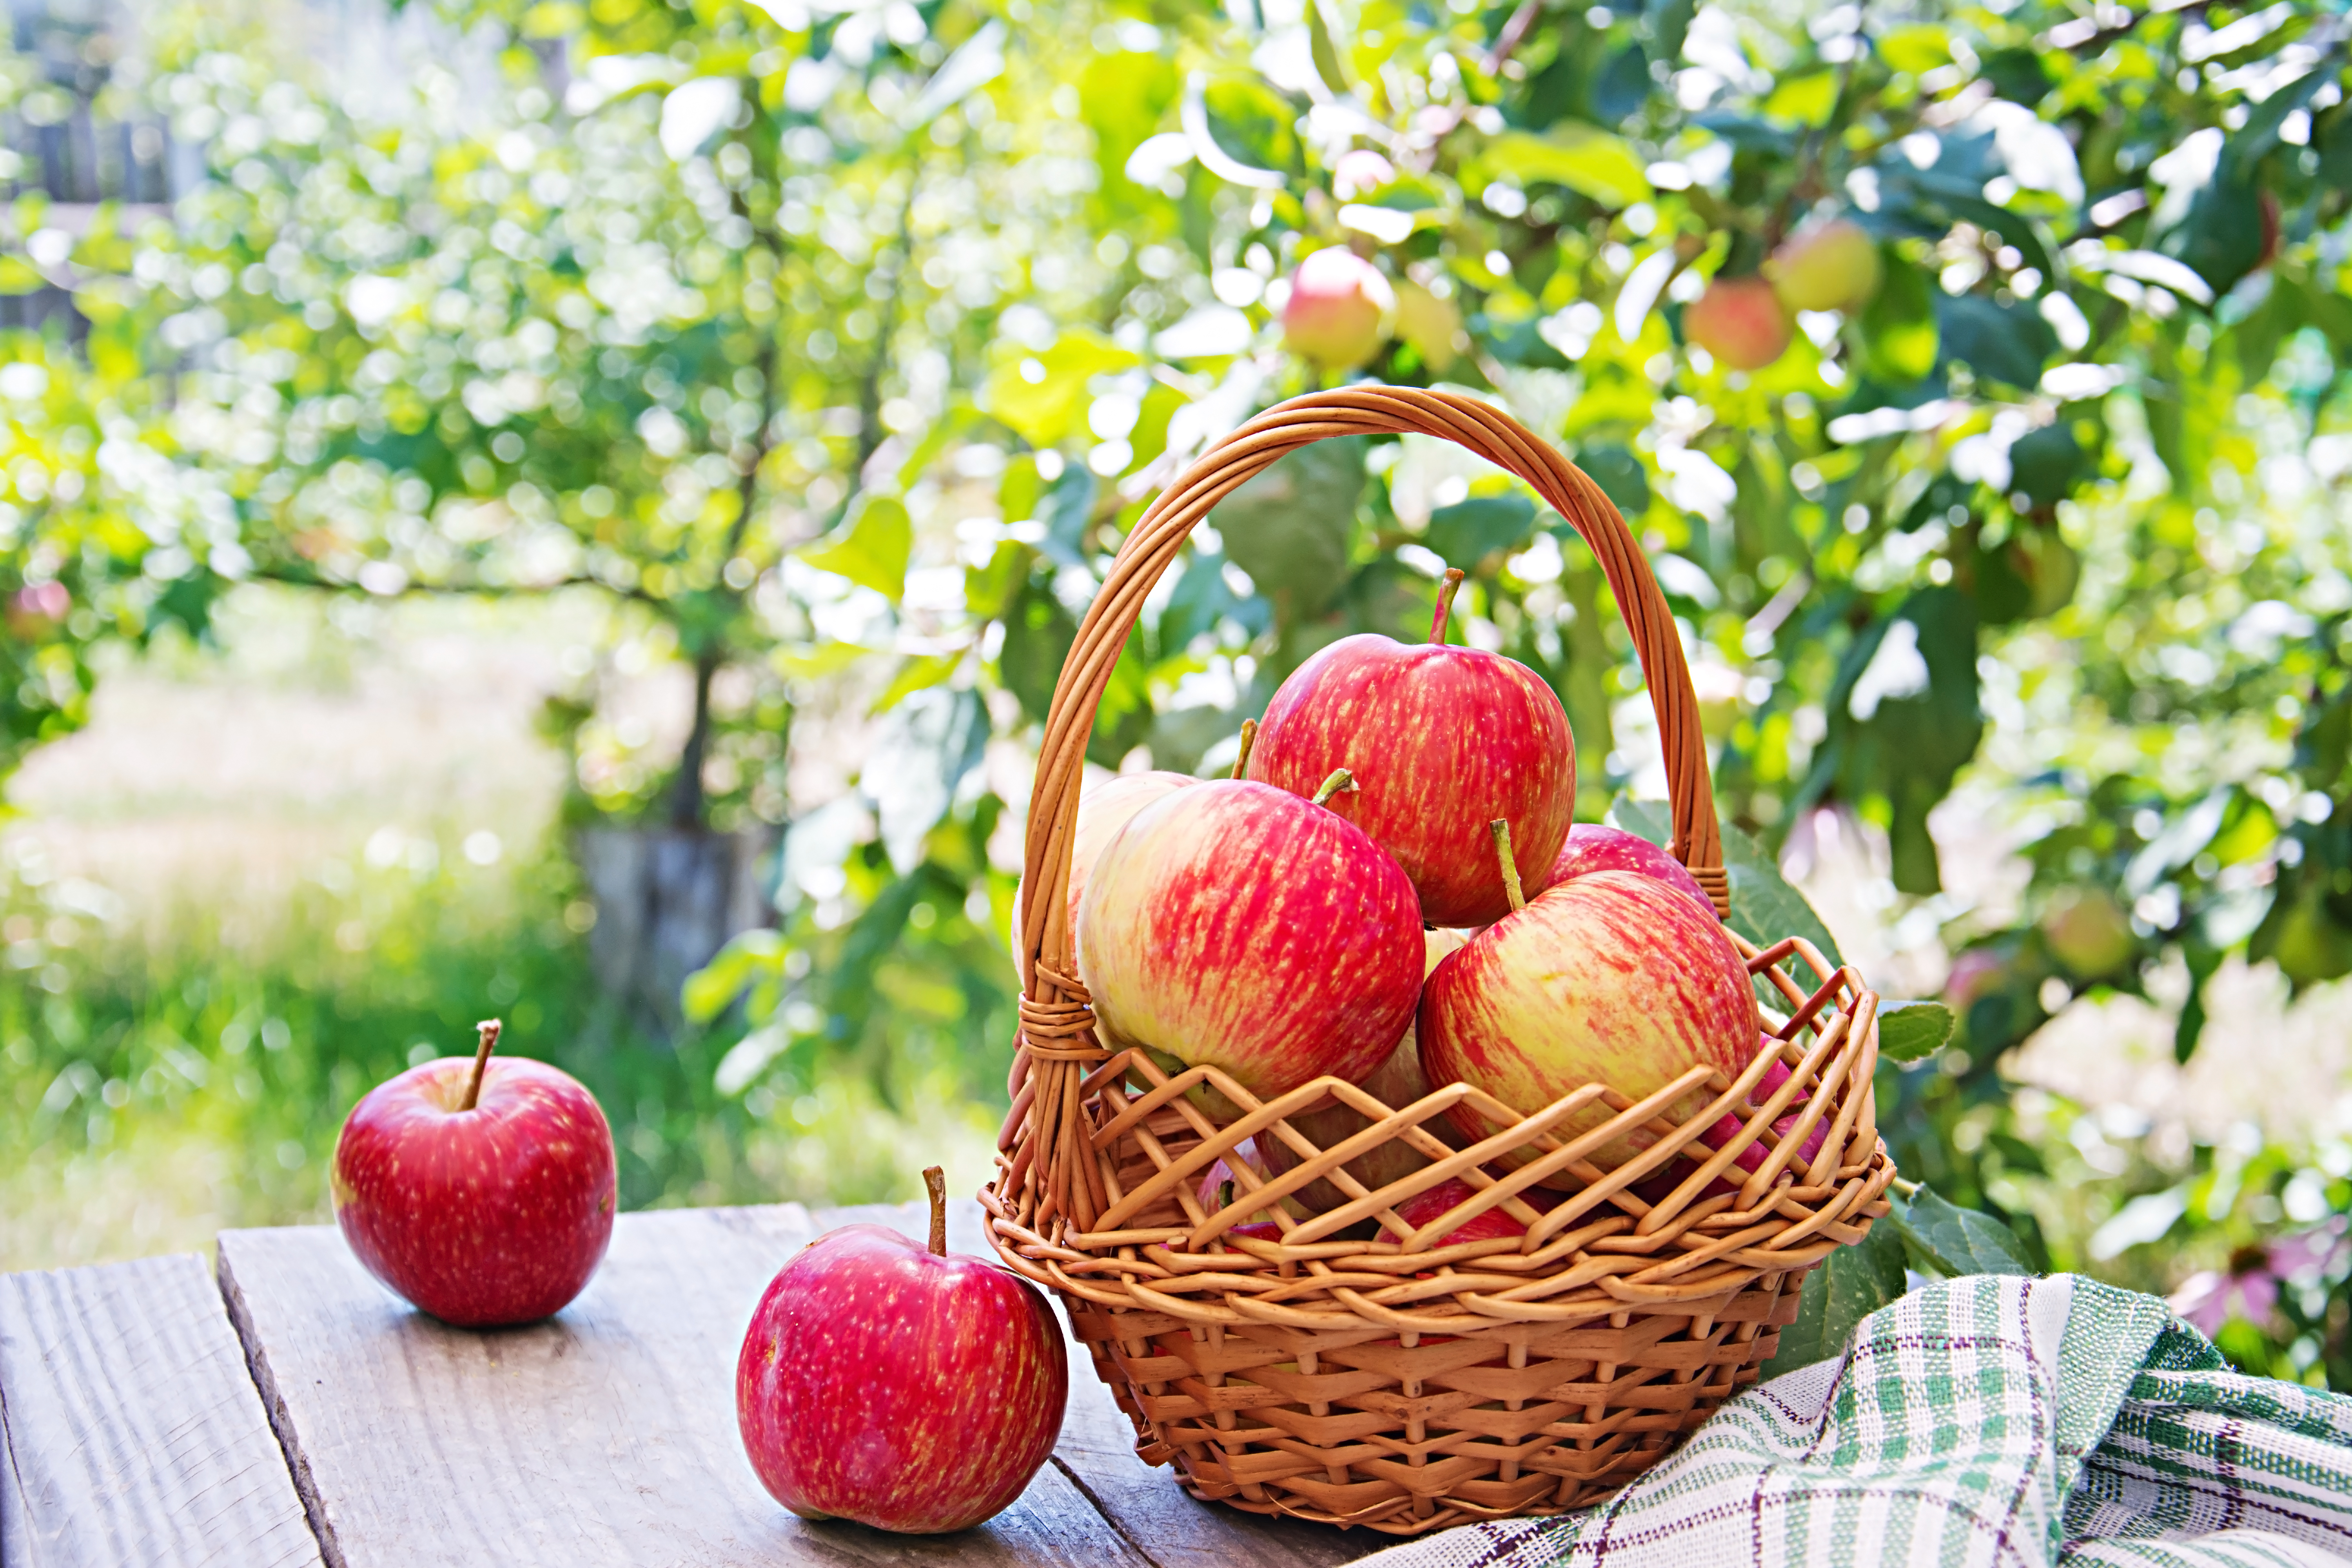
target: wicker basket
<point>1386,1381</point>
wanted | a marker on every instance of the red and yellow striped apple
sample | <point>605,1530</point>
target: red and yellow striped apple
<point>1442,740</point>
<point>1103,809</point>
<point>1238,926</point>
<point>1395,1083</point>
<point>907,1389</point>
<point>1612,978</point>
<point>1595,846</point>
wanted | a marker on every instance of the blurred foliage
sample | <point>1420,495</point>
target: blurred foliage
<point>121,1057</point>
<point>841,345</point>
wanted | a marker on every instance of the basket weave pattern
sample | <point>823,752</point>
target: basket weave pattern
<point>1354,1371</point>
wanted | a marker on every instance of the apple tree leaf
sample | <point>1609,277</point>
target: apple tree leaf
<point>1584,158</point>
<point>872,550</point>
<point>1908,1031</point>
<point>1948,1239</point>
<point>1845,1288</point>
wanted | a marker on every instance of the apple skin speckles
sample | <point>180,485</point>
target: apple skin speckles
<point>494,1215</point>
<point>1239,926</point>
<point>905,1391</point>
<point>1612,978</point>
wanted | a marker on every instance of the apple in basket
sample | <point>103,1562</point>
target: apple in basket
<point>1237,926</point>
<point>1593,846</point>
<point>481,1191</point>
<point>1103,809</point>
<point>1612,978</point>
<point>902,1388</point>
<point>1395,1083</point>
<point>1442,740</point>
<point>1220,1189</point>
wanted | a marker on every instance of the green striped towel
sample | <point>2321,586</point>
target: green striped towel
<point>1992,1420</point>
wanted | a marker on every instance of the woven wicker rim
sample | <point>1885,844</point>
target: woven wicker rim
<point>1101,1150</point>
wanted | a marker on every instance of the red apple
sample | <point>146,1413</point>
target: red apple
<point>482,1191</point>
<point>1220,1189</point>
<point>1395,1083</point>
<point>1740,321</point>
<point>1832,266</point>
<point>1336,309</point>
<point>1422,1208</point>
<point>1237,926</point>
<point>1727,1128</point>
<point>1612,978</point>
<point>906,1389</point>
<point>1593,846</point>
<point>1103,809</point>
<point>1442,740</point>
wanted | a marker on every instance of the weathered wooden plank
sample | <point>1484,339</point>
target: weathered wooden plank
<point>129,1432</point>
<point>1154,1514</point>
<point>606,1436</point>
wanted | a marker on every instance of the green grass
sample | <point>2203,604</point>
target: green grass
<point>157,1087</point>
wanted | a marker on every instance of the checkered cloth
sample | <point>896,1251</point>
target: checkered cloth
<point>1996,1420</point>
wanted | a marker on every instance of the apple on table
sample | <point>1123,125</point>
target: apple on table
<point>483,1192</point>
<point>904,1387</point>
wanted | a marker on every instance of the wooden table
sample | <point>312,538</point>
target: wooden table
<point>300,1414</point>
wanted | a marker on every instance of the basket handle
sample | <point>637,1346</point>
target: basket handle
<point>1055,1015</point>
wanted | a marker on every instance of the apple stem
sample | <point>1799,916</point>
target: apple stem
<point>1501,829</point>
<point>1446,593</point>
<point>488,1029</point>
<point>1340,779</point>
<point>1249,739</point>
<point>936,1182</point>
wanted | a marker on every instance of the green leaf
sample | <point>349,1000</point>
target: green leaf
<point>709,989</point>
<point>1618,473</point>
<point>18,277</point>
<point>872,549</point>
<point>1952,1241</point>
<point>1037,636</point>
<point>1804,99</point>
<point>1917,49</point>
<point>1908,1031</point>
<point>1468,532</point>
<point>1650,819</point>
<point>1041,395</point>
<point>2001,342</point>
<point>1839,1291</point>
<point>921,674</point>
<point>1898,328</point>
<point>1290,527</point>
<point>1584,158</point>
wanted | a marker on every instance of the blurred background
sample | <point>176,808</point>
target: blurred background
<point>574,511</point>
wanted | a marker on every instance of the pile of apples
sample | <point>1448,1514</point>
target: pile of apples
<point>1391,890</point>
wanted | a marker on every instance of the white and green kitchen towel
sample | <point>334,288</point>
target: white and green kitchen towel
<point>1993,1420</point>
